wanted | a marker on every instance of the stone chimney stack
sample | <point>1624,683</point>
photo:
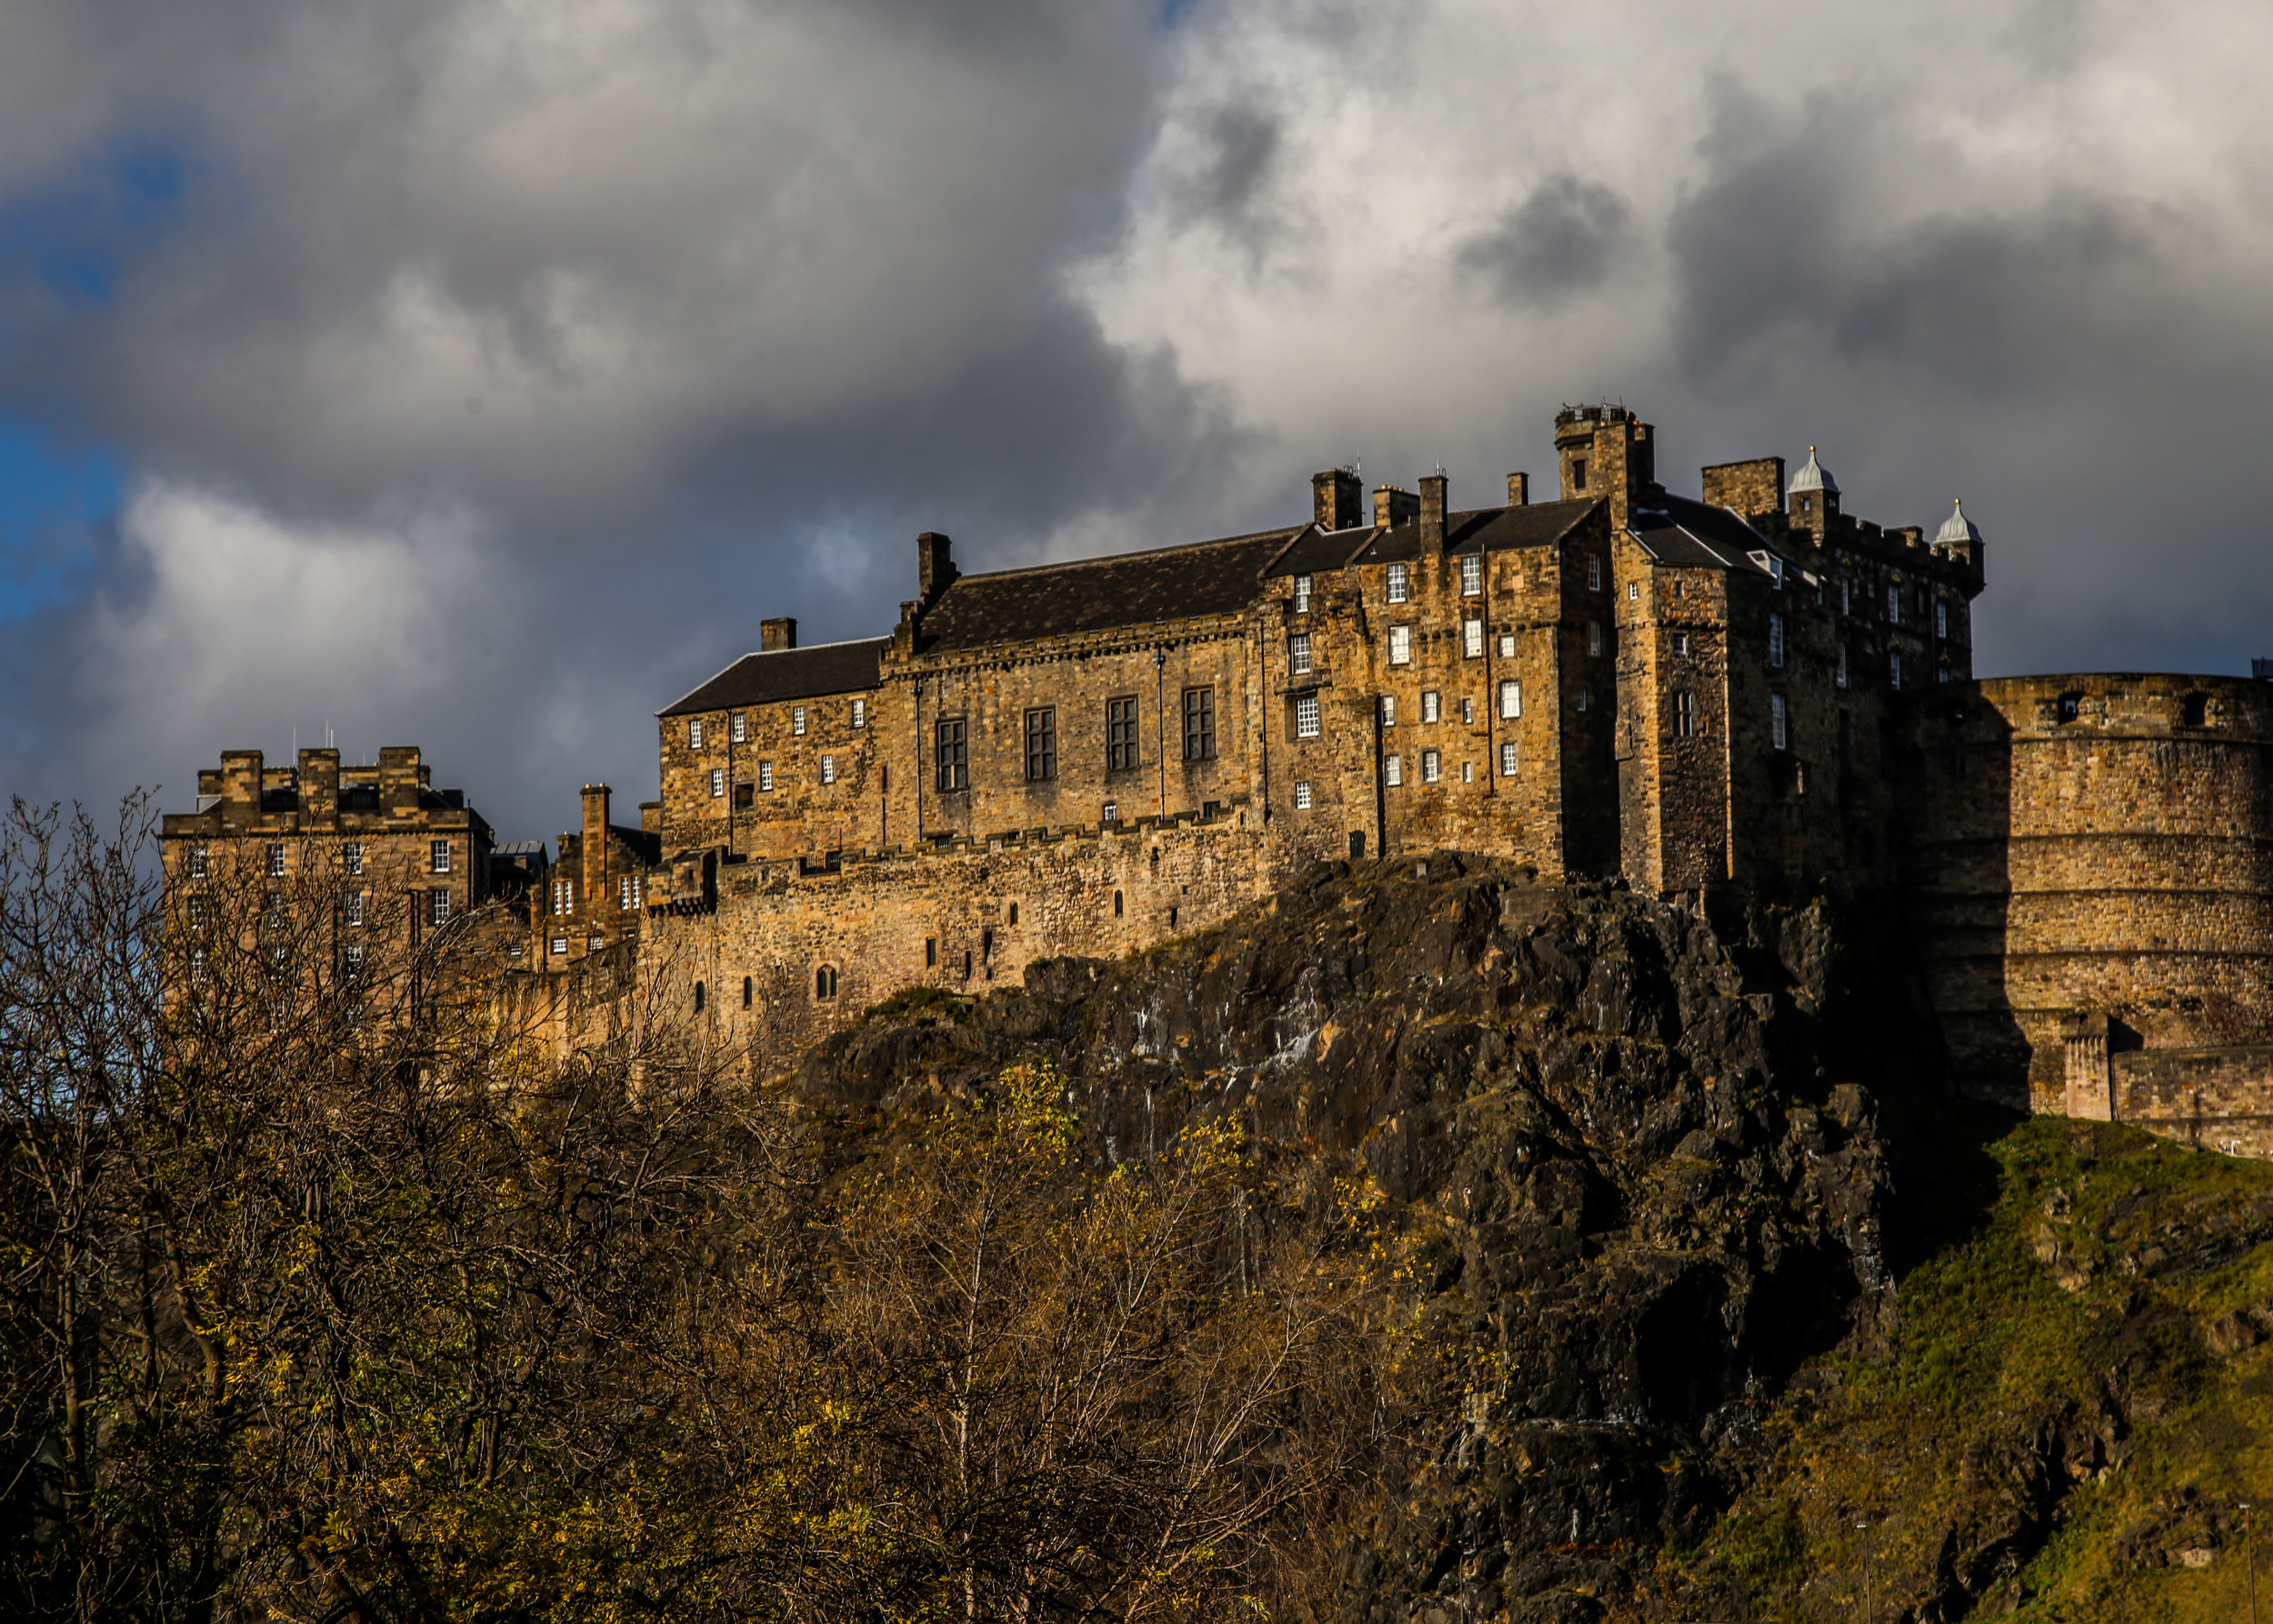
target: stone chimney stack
<point>319,789</point>
<point>1518,490</point>
<point>935,566</point>
<point>1436,495</point>
<point>781,632</point>
<point>593,850</point>
<point>1394,506</point>
<point>1338,500</point>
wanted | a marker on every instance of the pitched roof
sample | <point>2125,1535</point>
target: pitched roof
<point>1483,530</point>
<point>1207,578</point>
<point>780,674</point>
<point>1692,535</point>
<point>1314,551</point>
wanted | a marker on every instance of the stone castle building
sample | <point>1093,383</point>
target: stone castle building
<point>1747,692</point>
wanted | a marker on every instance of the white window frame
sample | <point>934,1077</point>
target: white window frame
<point>1681,645</point>
<point>1510,699</point>
<point>1400,646</point>
<point>1594,639</point>
<point>860,712</point>
<point>1508,646</point>
<point>1778,723</point>
<point>828,769</point>
<point>627,889</point>
<point>693,733</point>
<point>1302,794</point>
<point>766,777</point>
<point>1302,595</point>
<point>1393,770</point>
<point>1633,592</point>
<point>1507,759</point>
<point>717,783</point>
<point>1776,642</point>
<point>1306,715</point>
<point>1389,710</point>
<point>797,719</point>
<point>1594,572</point>
<point>1432,767</point>
<point>353,913</point>
<point>1432,705</point>
<point>438,905</point>
<point>737,728</point>
<point>1298,653</point>
<point>1893,669</point>
<point>197,861</point>
<point>1472,639</point>
<point>275,864</point>
<point>560,944</point>
<point>1472,574</point>
<point>564,897</point>
<point>1468,712</point>
<point>1894,604</point>
<point>438,858</point>
<point>350,856</point>
<point>1400,584</point>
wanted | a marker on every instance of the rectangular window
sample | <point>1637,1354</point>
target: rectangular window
<point>1199,724</point>
<point>1776,571</point>
<point>353,913</point>
<point>354,960</point>
<point>1847,596</point>
<point>1307,716</point>
<point>1111,813</point>
<point>717,781</point>
<point>560,944</point>
<point>1594,639</point>
<point>1776,642</point>
<point>1467,772</point>
<point>1472,639</point>
<point>438,862</point>
<point>1778,722</point>
<point>951,755</point>
<point>1397,583</point>
<point>1432,767</point>
<point>1392,770</point>
<point>1838,673</point>
<point>1894,606</point>
<point>1585,698</point>
<point>1468,712</point>
<point>276,858</point>
<point>1472,576</point>
<point>197,861</point>
<point>564,897</point>
<point>1120,735</point>
<point>1594,572</point>
<point>1633,592</point>
<point>1684,714</point>
<point>1400,646</point>
<point>745,797</point>
<point>828,769</point>
<point>438,907</point>
<point>1432,706</point>
<point>1511,699</point>
<point>1302,595</point>
<point>1894,670</point>
<point>1680,645</point>
<point>1389,710</point>
<point>1298,652</point>
<point>627,893</point>
<point>1507,759</point>
<point>350,856</point>
<point>797,719</point>
<point>738,729</point>
<point>1041,745</point>
<point>1302,794</point>
<point>766,777</point>
<point>1941,620</point>
<point>695,733</point>
<point>860,712</point>
<point>1507,647</point>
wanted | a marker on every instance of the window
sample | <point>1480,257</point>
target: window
<point>1432,706</point>
<point>1302,595</point>
<point>1510,699</point>
<point>825,982</point>
<point>438,907</point>
<point>1839,671</point>
<point>197,911</point>
<point>1507,647</point>
<point>1508,759</point>
<point>828,769</point>
<point>1199,724</point>
<point>354,960</point>
<point>1472,639</point>
<point>351,855</point>
<point>1392,770</point>
<point>695,733</point>
<point>1778,723</point>
<point>1776,571</point>
<point>1041,745</point>
<point>1400,646</point>
<point>1307,716</point>
<point>1684,714</point>
<point>1776,642</point>
<point>1894,670</point>
<point>1467,772</point>
<point>1111,813</point>
<point>1847,596</point>
<point>1432,767</point>
<point>1579,472</point>
<point>564,897</point>
<point>276,858</point>
<point>1302,794</point>
<point>749,990</point>
<point>1298,652</point>
<point>1468,712</point>
<point>439,860</point>
<point>738,729</point>
<point>2071,707</point>
<point>1118,906</point>
<point>717,781</point>
<point>766,776</point>
<point>951,755</point>
<point>1594,639</point>
<point>860,712</point>
<point>1013,913</point>
<point>595,941</point>
<point>1633,592</point>
<point>1120,735</point>
<point>197,860</point>
<point>627,890</point>
<point>352,914</point>
<point>1472,576</point>
<point>1585,698</point>
<point>1397,583</point>
<point>1894,606</point>
<point>699,990</point>
<point>560,944</point>
<point>931,952</point>
<point>745,797</point>
<point>1594,572</point>
<point>1941,619</point>
<point>797,719</point>
<point>1680,645</point>
<point>1389,710</point>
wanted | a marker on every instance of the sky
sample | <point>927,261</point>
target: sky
<point>478,374</point>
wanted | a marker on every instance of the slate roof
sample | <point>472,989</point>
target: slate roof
<point>1315,552</point>
<point>1207,578</point>
<point>1692,535</point>
<point>767,677</point>
<point>1483,530</point>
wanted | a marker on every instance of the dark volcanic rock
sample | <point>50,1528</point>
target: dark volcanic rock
<point>1643,1196</point>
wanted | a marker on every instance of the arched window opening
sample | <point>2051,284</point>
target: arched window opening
<point>825,982</point>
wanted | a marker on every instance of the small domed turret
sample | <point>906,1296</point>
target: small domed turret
<point>1814,476</point>
<point>1956,530</point>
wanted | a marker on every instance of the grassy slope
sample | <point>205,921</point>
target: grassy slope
<point>2064,1412</point>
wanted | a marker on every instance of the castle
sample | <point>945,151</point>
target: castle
<point>1749,692</point>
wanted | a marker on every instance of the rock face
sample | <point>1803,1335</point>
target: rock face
<point>1643,1179</point>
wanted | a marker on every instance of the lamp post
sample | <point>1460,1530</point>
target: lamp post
<point>1862,1527</point>
<point>2249,1555</point>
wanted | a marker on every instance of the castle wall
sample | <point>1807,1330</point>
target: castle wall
<point>2092,844</point>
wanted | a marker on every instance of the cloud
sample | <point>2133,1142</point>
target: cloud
<point>1562,240</point>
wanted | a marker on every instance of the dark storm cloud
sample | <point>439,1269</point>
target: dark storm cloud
<point>1234,162</point>
<point>1562,238</point>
